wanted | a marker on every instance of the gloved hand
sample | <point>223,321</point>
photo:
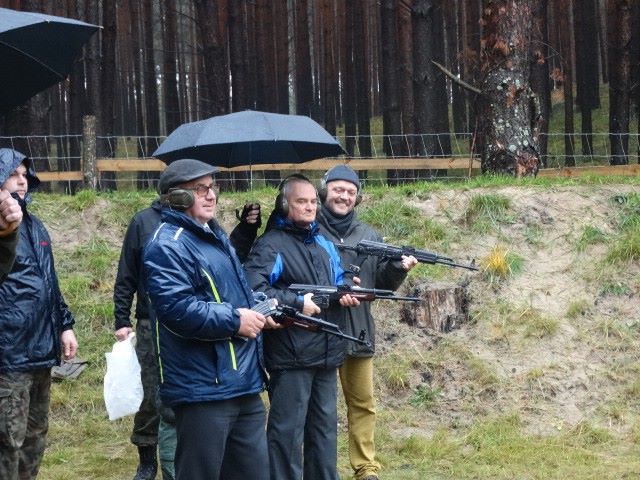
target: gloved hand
<point>10,213</point>
<point>250,214</point>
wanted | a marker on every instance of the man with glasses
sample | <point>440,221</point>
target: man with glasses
<point>340,193</point>
<point>153,424</point>
<point>209,339</point>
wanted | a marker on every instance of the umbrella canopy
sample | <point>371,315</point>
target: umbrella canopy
<point>36,51</point>
<point>249,138</point>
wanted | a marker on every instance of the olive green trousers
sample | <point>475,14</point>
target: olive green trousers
<point>356,377</point>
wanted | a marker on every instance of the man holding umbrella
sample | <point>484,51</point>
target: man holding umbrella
<point>37,329</point>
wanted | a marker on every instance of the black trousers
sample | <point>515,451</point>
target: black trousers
<point>303,412</point>
<point>223,440</point>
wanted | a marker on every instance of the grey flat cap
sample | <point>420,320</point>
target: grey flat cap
<point>182,171</point>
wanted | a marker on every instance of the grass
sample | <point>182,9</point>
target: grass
<point>440,401</point>
<point>501,263</point>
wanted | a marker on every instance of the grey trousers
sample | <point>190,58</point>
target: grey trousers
<point>303,411</point>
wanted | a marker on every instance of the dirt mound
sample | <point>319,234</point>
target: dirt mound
<point>555,342</point>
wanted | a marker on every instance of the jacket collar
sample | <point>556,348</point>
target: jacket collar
<point>183,220</point>
<point>305,234</point>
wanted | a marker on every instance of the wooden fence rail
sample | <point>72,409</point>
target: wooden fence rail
<point>93,167</point>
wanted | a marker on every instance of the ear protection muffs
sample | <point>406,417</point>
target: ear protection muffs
<point>322,190</point>
<point>282,205</point>
<point>178,198</point>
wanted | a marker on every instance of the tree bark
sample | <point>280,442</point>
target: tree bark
<point>619,14</point>
<point>329,71</point>
<point>216,69</point>
<point>431,105</point>
<point>391,118</point>
<point>508,108</point>
<point>303,82</point>
<point>349,83</point>
<point>107,147</point>
<point>169,62</point>
<point>363,104</point>
<point>540,82</point>
<point>406,83</point>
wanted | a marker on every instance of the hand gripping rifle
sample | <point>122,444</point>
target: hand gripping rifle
<point>324,295</point>
<point>379,249</point>
<point>289,316</point>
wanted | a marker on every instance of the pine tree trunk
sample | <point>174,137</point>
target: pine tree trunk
<point>107,89</point>
<point>303,82</point>
<point>363,104</point>
<point>169,62</point>
<point>508,111</point>
<point>329,71</point>
<point>540,82</point>
<point>391,119</point>
<point>619,14</point>
<point>349,82</point>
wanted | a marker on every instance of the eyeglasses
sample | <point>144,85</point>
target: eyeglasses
<point>202,190</point>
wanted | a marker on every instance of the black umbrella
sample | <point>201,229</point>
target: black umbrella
<point>249,138</point>
<point>36,51</point>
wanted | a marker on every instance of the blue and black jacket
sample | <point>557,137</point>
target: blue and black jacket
<point>195,284</point>
<point>287,254</point>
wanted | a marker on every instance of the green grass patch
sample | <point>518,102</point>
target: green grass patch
<point>590,236</point>
<point>394,372</point>
<point>425,396</point>
<point>485,212</point>
<point>578,308</point>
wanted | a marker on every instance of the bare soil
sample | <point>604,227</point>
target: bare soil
<point>585,370</point>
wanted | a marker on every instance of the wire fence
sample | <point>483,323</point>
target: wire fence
<point>383,154</point>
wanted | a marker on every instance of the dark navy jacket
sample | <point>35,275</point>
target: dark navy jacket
<point>33,312</point>
<point>195,284</point>
<point>284,255</point>
<point>129,279</point>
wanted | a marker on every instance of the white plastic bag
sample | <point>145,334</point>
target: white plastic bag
<point>122,383</point>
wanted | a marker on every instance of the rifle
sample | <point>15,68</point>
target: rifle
<point>324,295</point>
<point>379,249</point>
<point>289,316</point>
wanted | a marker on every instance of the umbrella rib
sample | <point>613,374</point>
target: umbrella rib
<point>33,58</point>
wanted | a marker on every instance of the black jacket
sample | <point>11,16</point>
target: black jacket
<point>7,253</point>
<point>375,272</point>
<point>33,312</point>
<point>129,280</point>
<point>285,255</point>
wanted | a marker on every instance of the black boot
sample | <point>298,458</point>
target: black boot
<point>148,463</point>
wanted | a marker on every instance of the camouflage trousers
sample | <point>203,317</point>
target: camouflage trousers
<point>24,422</point>
<point>145,422</point>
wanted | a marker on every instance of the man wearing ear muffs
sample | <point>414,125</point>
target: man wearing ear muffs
<point>301,364</point>
<point>340,193</point>
<point>209,340</point>
<point>153,424</point>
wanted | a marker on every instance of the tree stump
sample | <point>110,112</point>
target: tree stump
<point>443,307</point>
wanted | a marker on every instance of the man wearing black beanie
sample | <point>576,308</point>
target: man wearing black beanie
<point>340,193</point>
